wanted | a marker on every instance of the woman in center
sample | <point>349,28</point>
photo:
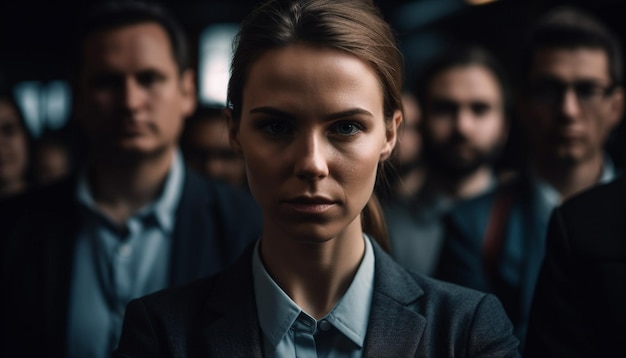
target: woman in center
<point>314,108</point>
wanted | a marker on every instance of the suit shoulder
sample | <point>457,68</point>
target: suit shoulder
<point>450,294</point>
<point>594,221</point>
<point>609,195</point>
<point>187,297</point>
<point>54,199</point>
<point>220,194</point>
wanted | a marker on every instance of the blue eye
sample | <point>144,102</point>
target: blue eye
<point>347,128</point>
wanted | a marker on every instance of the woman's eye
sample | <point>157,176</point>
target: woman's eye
<point>277,128</point>
<point>347,128</point>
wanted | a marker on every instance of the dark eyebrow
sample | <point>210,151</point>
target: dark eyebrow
<point>349,113</point>
<point>272,112</point>
<point>333,116</point>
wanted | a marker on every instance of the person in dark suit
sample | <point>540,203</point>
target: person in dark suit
<point>570,101</point>
<point>314,107</point>
<point>578,308</point>
<point>134,220</point>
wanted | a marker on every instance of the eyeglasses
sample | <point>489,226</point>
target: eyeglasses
<point>588,93</point>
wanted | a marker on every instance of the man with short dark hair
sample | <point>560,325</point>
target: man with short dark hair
<point>571,100</point>
<point>464,98</point>
<point>135,220</point>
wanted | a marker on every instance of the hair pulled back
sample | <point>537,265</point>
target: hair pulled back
<point>354,27</point>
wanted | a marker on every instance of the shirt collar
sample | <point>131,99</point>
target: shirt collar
<point>550,198</point>
<point>163,208</point>
<point>277,312</point>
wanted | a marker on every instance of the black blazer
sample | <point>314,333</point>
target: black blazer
<point>411,315</point>
<point>579,308</point>
<point>214,224</point>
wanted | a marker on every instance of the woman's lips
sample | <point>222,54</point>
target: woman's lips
<point>307,205</point>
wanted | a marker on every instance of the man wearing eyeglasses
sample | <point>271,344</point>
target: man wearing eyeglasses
<point>571,100</point>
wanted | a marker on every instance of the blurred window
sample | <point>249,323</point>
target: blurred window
<point>215,51</point>
<point>46,105</point>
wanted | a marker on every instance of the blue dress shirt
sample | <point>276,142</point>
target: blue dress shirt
<point>288,331</point>
<point>114,264</point>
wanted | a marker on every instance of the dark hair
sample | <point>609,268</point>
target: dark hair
<point>118,13</point>
<point>463,56</point>
<point>355,27</point>
<point>9,98</point>
<point>571,28</point>
<point>202,114</point>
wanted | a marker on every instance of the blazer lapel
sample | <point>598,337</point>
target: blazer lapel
<point>233,329</point>
<point>194,248</point>
<point>394,329</point>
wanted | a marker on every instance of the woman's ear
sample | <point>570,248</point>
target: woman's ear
<point>391,135</point>
<point>233,131</point>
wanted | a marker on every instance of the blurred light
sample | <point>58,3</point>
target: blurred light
<point>27,96</point>
<point>214,63</point>
<point>45,105</point>
<point>57,104</point>
<point>479,2</point>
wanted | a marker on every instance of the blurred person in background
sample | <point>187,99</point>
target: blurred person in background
<point>408,162</point>
<point>464,97</point>
<point>207,149</point>
<point>570,100</point>
<point>53,158</point>
<point>15,148</point>
<point>134,220</point>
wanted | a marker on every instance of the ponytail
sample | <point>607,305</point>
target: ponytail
<point>373,223</point>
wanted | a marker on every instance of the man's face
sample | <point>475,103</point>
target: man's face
<point>13,146</point>
<point>570,106</point>
<point>409,149</point>
<point>464,120</point>
<point>132,100</point>
<point>209,152</point>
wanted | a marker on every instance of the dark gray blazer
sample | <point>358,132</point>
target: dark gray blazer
<point>579,308</point>
<point>214,225</point>
<point>411,315</point>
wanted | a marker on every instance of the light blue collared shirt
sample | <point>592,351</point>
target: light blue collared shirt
<point>113,265</point>
<point>290,332</point>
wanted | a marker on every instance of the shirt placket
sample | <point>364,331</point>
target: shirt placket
<point>304,336</point>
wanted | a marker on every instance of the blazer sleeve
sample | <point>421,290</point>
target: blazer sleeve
<point>491,331</point>
<point>555,328</point>
<point>139,336</point>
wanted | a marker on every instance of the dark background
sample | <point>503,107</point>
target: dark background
<point>35,35</point>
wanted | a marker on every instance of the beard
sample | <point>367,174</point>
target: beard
<point>458,157</point>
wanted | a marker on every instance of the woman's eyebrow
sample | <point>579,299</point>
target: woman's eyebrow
<point>349,113</point>
<point>329,117</point>
<point>274,112</point>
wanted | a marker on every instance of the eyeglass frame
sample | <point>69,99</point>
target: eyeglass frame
<point>588,92</point>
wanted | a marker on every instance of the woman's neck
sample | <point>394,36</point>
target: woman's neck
<point>314,274</point>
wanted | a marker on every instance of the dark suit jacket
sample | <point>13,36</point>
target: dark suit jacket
<point>579,309</point>
<point>523,242</point>
<point>214,224</point>
<point>411,315</point>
